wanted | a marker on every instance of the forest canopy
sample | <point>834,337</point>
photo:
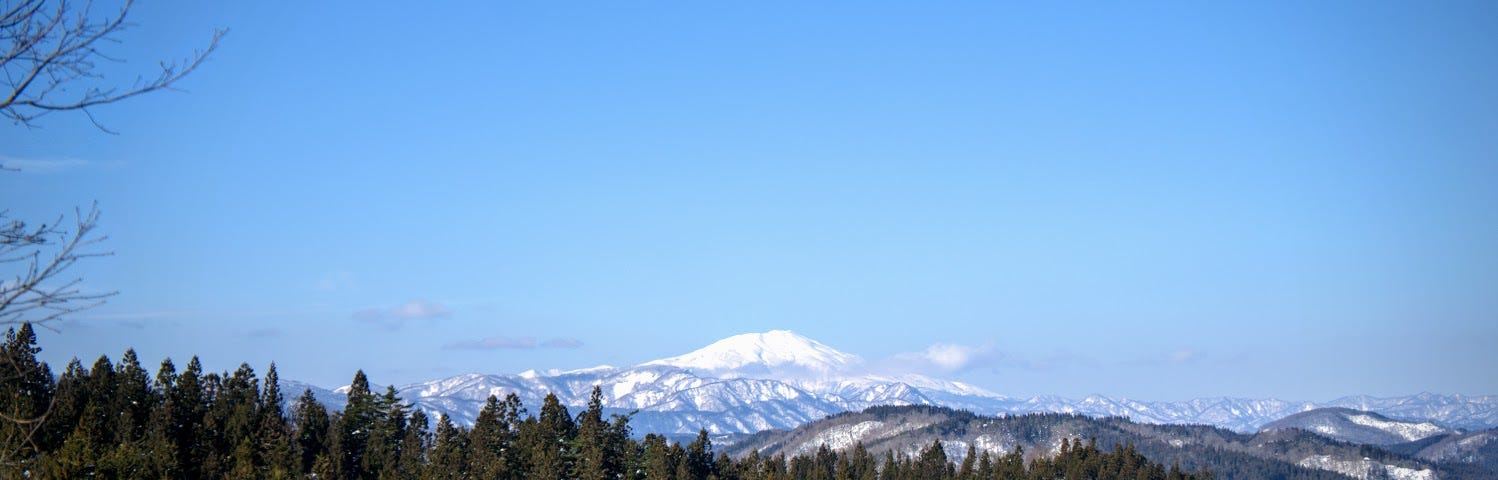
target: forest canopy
<point>113,420</point>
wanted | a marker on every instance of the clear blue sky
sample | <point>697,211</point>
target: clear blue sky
<point>1159,200</point>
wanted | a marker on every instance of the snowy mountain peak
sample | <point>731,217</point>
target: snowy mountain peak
<point>776,350</point>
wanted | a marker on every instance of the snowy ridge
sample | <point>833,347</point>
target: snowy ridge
<point>1365,468</point>
<point>771,351</point>
<point>778,379</point>
<point>1409,431</point>
<point>1357,426</point>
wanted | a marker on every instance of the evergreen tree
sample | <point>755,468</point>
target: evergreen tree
<point>185,427</point>
<point>592,441</point>
<point>699,457</point>
<point>197,425</point>
<point>70,397</point>
<point>133,400</point>
<point>548,440</point>
<point>492,442</point>
<point>275,447</point>
<point>388,427</point>
<point>932,464</point>
<point>969,464</point>
<point>449,457</point>
<point>101,388</point>
<point>861,464</point>
<point>25,396</point>
<point>985,466</point>
<point>312,431</point>
<point>414,445</point>
<point>353,427</point>
<point>657,459</point>
<point>891,467</point>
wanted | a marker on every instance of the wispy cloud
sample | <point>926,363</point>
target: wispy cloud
<point>399,315</point>
<point>42,166</point>
<point>950,358</point>
<point>513,343</point>
<point>947,357</point>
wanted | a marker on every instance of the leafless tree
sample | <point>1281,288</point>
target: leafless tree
<point>52,45</point>
<point>49,50</point>
<point>35,290</point>
<point>35,260</point>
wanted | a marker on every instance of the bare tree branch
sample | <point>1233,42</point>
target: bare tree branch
<point>47,49</point>
<point>36,290</point>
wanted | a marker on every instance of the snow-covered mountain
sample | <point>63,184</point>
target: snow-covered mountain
<point>778,379</point>
<point>1358,426</point>
<point>776,351</point>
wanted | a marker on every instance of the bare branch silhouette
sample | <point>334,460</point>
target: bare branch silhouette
<point>52,45</point>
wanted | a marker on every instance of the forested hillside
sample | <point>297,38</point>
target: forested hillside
<point>114,420</point>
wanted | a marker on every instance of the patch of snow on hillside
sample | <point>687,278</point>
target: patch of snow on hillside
<point>1365,468</point>
<point>1406,430</point>
<point>986,443</point>
<point>841,436</point>
<point>1404,473</point>
<point>1325,429</point>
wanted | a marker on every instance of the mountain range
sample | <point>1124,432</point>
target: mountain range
<point>1284,453</point>
<point>780,380</point>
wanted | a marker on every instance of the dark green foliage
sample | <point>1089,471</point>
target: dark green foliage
<point>26,389</point>
<point>450,453</point>
<point>593,458</point>
<point>310,439</point>
<point>112,421</point>
<point>492,442</point>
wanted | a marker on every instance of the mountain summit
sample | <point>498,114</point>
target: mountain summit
<point>778,379</point>
<point>775,351</point>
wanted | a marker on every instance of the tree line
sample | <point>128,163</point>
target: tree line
<point>113,420</point>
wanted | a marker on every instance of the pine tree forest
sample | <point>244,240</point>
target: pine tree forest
<point>115,420</point>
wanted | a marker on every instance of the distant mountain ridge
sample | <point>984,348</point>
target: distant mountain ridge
<point>1358,426</point>
<point>1281,453</point>
<point>779,380</point>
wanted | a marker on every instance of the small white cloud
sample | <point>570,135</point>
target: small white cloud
<point>399,315</point>
<point>951,357</point>
<point>945,357</point>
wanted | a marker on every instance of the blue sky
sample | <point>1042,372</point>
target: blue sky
<point>1160,201</point>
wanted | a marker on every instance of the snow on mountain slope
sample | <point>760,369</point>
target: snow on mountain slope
<point>769,352</point>
<point>1365,468</point>
<point>1459,411</point>
<point>1409,431</point>
<point>778,379</point>
<point>1356,426</point>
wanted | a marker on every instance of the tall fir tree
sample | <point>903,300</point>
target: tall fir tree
<point>25,396</point>
<point>592,439</point>
<point>312,430</point>
<point>414,445</point>
<point>449,456</point>
<point>275,446</point>
<point>353,428</point>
